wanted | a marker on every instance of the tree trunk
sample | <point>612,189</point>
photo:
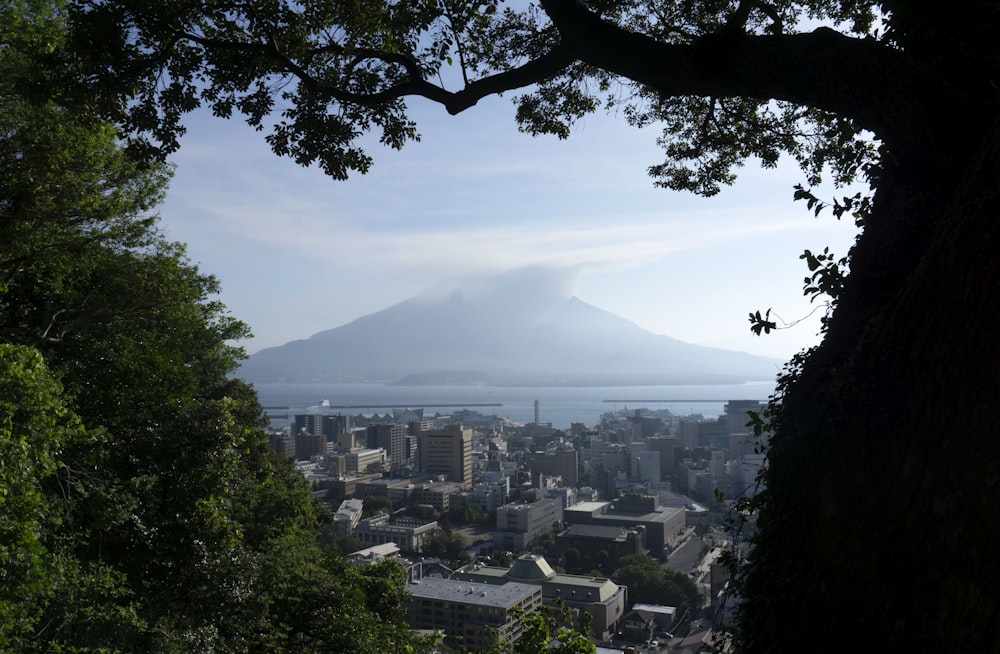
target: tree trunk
<point>879,530</point>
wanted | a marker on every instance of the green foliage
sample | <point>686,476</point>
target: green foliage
<point>446,545</point>
<point>140,507</point>
<point>42,583</point>
<point>373,504</point>
<point>551,629</point>
<point>649,582</point>
<point>319,78</point>
<point>899,94</point>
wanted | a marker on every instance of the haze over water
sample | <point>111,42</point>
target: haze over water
<point>557,405</point>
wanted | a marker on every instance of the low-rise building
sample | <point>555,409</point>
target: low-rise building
<point>603,599</point>
<point>365,461</point>
<point>587,547</point>
<point>471,615</point>
<point>519,525</point>
<point>410,534</point>
<point>348,516</point>
<point>437,494</point>
<point>662,523</point>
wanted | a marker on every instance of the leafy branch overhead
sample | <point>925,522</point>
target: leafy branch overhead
<point>725,81</point>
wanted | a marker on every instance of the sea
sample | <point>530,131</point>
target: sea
<point>558,405</point>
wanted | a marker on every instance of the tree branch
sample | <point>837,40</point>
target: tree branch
<point>531,72</point>
<point>876,86</point>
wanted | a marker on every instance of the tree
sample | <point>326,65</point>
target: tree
<point>550,629</point>
<point>41,577</point>
<point>140,506</point>
<point>648,582</point>
<point>863,463</point>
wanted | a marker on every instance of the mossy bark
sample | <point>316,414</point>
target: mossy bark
<point>879,529</point>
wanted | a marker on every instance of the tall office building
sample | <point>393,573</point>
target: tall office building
<point>392,439</point>
<point>323,424</point>
<point>564,462</point>
<point>447,452</point>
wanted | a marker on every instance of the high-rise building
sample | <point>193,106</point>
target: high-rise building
<point>392,439</point>
<point>447,452</point>
<point>563,462</point>
<point>308,445</point>
<point>322,424</point>
<point>736,415</point>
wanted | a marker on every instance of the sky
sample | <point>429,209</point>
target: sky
<point>297,252</point>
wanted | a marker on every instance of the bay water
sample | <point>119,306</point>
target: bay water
<point>559,406</point>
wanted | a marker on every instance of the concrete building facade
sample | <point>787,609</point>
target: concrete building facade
<point>662,523</point>
<point>519,525</point>
<point>410,534</point>
<point>447,452</point>
<point>464,610</point>
<point>603,599</point>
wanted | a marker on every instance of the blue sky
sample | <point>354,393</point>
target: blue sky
<point>298,253</point>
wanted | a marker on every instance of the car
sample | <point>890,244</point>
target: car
<point>629,649</point>
<point>651,644</point>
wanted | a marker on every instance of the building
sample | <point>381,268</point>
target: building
<point>519,525</point>
<point>584,547</point>
<point>737,415</point>
<point>666,446</point>
<point>410,534</point>
<point>362,461</point>
<point>447,452</point>
<point>392,439</point>
<point>603,599</point>
<point>323,424</point>
<point>646,466</point>
<point>560,462</point>
<point>704,433</point>
<point>662,523</point>
<point>282,443</point>
<point>399,492</point>
<point>348,516</point>
<point>308,445</point>
<point>472,616</point>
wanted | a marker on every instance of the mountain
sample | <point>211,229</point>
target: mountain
<point>494,335</point>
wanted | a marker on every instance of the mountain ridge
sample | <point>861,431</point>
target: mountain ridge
<point>489,338</point>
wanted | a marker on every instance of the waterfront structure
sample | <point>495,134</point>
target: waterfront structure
<point>472,616</point>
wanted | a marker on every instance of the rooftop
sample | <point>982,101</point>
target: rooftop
<point>531,567</point>
<point>504,596</point>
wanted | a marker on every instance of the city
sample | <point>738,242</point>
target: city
<point>494,519</point>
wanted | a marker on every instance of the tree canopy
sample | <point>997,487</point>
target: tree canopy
<point>649,583</point>
<point>141,509</point>
<point>882,434</point>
